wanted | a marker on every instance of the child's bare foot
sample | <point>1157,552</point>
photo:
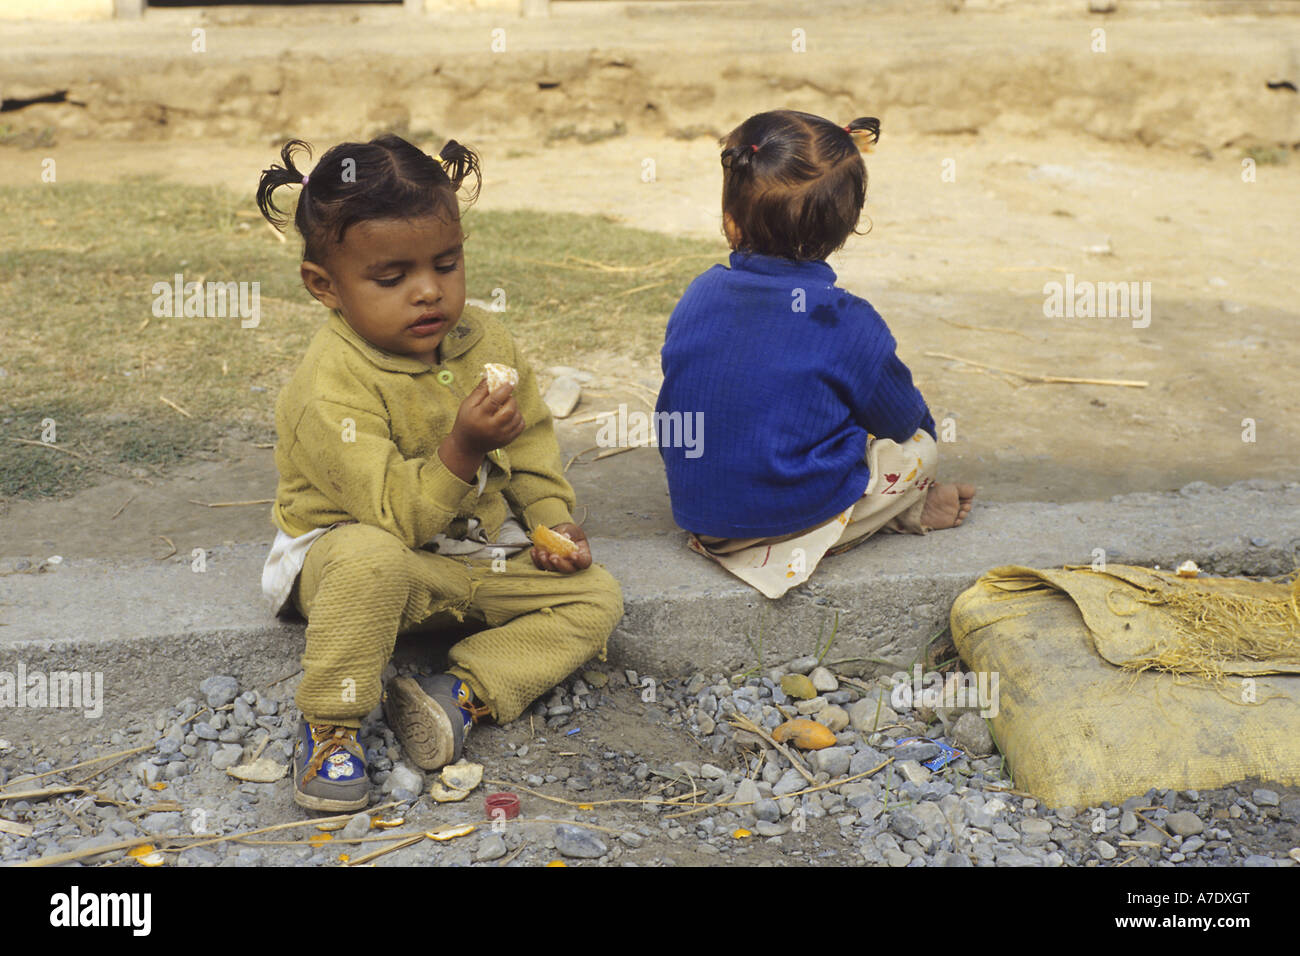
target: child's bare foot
<point>946,506</point>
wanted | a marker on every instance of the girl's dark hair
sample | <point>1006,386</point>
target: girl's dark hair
<point>386,178</point>
<point>794,184</point>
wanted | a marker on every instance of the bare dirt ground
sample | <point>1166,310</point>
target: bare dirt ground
<point>956,268</point>
<point>1008,160</point>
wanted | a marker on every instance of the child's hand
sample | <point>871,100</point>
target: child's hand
<point>487,420</point>
<point>574,562</point>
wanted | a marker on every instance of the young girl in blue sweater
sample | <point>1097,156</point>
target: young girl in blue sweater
<point>815,437</point>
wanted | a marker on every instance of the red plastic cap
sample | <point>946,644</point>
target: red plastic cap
<point>502,803</point>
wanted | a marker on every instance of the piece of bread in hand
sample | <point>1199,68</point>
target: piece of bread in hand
<point>552,541</point>
<point>498,375</point>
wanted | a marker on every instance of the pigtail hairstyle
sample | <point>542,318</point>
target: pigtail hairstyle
<point>739,160</point>
<point>794,184</point>
<point>459,161</point>
<point>865,132</point>
<point>386,178</point>
<point>276,176</point>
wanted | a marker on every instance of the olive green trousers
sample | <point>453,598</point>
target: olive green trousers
<point>361,587</point>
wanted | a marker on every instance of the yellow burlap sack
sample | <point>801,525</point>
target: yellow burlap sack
<point>1115,682</point>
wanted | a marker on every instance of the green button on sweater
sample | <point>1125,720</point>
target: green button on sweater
<point>359,430</point>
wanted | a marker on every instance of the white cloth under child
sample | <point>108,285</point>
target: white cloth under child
<point>288,554</point>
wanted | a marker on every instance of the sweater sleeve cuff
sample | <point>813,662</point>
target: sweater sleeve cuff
<point>445,489</point>
<point>547,511</point>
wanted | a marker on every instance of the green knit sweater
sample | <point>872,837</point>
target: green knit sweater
<point>359,430</point>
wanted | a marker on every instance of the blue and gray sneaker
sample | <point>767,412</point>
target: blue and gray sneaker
<point>431,717</point>
<point>329,768</point>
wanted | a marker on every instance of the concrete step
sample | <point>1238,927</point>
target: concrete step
<point>156,629</point>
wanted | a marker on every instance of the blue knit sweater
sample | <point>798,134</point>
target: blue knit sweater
<point>788,374</point>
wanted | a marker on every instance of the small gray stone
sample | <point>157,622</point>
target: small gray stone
<point>932,819</point>
<point>1128,822</point>
<point>833,760</point>
<point>1265,798</point>
<point>205,731</point>
<point>562,397</point>
<point>864,760</point>
<point>491,847</point>
<point>357,827</point>
<point>227,756</point>
<point>823,680</point>
<point>1191,844</point>
<point>917,752</point>
<point>858,792</point>
<point>747,792</point>
<point>913,772</point>
<point>767,810</point>
<point>219,690</point>
<point>242,714</point>
<point>765,829</point>
<point>801,665</point>
<point>867,714</point>
<point>404,778</point>
<point>868,811</point>
<point>944,858</point>
<point>160,822</point>
<point>834,718</point>
<point>578,842</point>
<point>1184,823</point>
<point>1256,859</point>
<point>971,734</point>
<point>790,781</point>
<point>632,839</point>
<point>905,823</point>
<point>1105,850</point>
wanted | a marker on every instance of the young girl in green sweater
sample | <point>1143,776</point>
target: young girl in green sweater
<point>407,488</point>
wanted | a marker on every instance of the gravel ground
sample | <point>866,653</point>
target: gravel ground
<point>628,764</point>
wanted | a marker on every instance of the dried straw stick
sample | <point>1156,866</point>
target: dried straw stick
<point>139,841</point>
<point>981,328</point>
<point>366,858</point>
<point>1042,379</point>
<point>83,763</point>
<point>744,723</point>
<point>167,401</point>
<point>589,803</point>
<point>231,504</point>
